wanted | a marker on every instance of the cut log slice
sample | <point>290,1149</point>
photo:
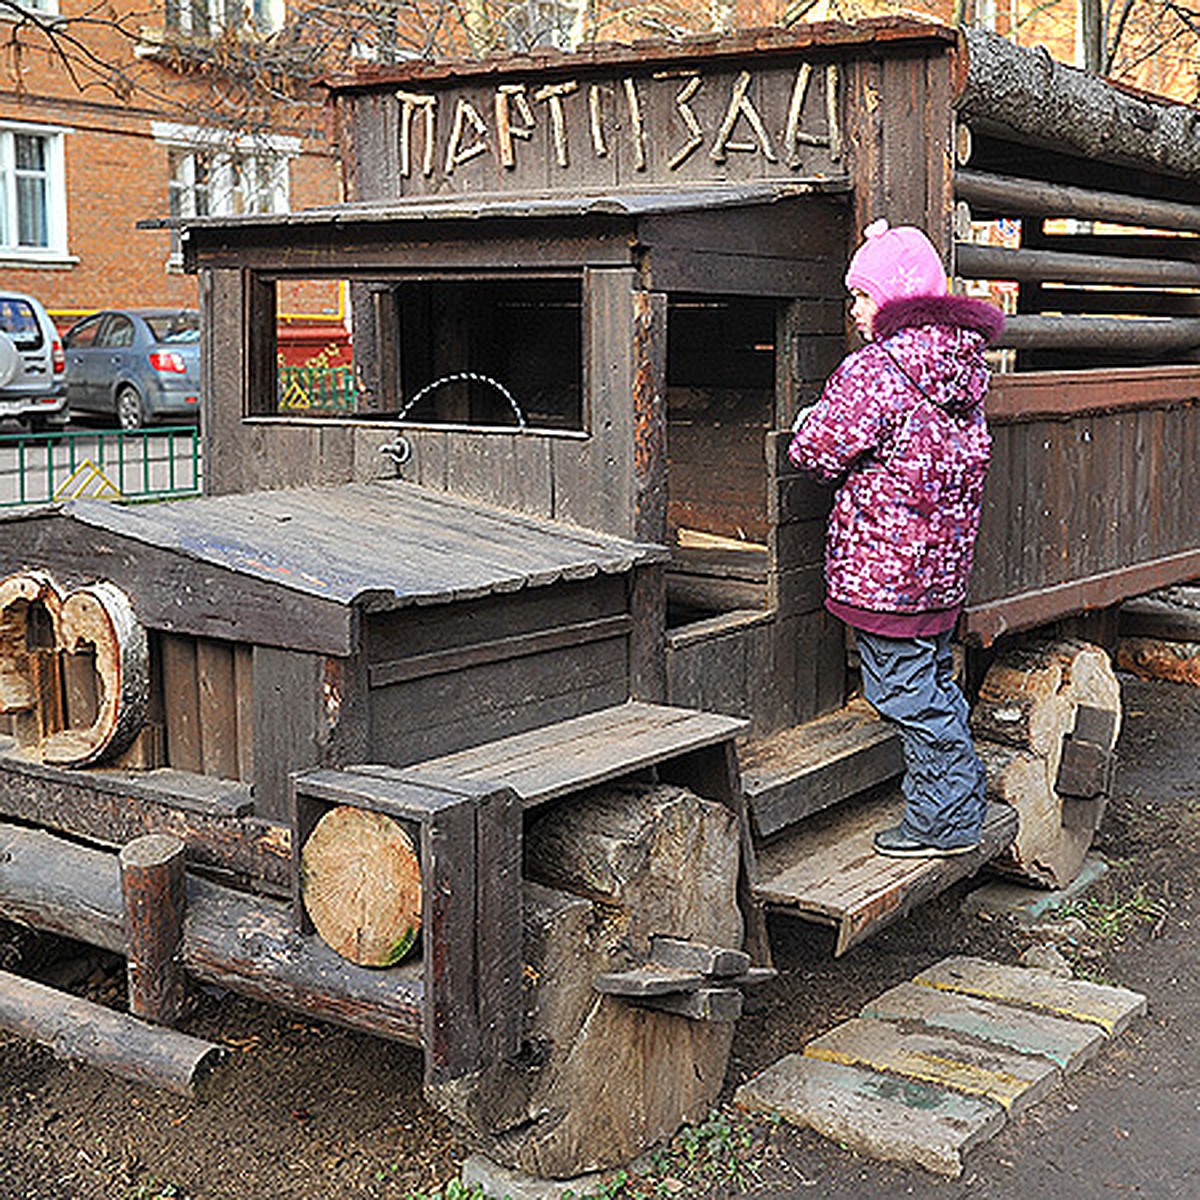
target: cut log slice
<point>361,883</point>
<point>1030,700</point>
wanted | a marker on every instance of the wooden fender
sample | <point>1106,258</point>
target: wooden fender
<point>99,618</point>
<point>1030,700</point>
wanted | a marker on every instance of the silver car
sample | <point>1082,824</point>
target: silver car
<point>32,379</point>
<point>139,365</point>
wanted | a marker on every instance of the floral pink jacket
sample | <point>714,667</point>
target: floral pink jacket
<point>901,425</point>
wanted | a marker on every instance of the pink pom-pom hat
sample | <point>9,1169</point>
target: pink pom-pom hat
<point>894,264</point>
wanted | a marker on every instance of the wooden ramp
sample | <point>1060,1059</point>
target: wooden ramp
<point>826,869</point>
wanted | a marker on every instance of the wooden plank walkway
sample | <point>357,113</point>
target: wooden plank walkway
<point>928,1071</point>
<point>827,870</point>
<point>554,760</point>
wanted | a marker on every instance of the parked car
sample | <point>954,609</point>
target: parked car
<point>32,381</point>
<point>139,365</point>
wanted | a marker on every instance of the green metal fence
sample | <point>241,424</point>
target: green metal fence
<point>146,464</point>
<point>317,389</point>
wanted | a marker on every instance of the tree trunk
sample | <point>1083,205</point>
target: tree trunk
<point>613,1077</point>
<point>1028,702</point>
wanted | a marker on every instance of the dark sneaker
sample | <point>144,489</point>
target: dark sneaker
<point>896,844</point>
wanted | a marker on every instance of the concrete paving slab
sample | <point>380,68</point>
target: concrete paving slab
<point>1112,1008</point>
<point>1067,1044</point>
<point>874,1114</point>
<point>1029,905</point>
<point>1014,1081</point>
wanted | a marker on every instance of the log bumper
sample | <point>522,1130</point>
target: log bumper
<point>77,1029</point>
<point>246,943</point>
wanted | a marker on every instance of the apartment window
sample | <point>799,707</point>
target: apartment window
<point>43,8</point>
<point>211,18</point>
<point>211,174</point>
<point>32,193</point>
<point>535,23</point>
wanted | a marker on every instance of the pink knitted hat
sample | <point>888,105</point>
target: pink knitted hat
<point>893,264</point>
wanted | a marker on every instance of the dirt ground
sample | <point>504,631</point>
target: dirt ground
<point>316,1112</point>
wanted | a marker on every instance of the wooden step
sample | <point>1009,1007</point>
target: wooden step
<point>555,760</point>
<point>828,871</point>
<point>799,771</point>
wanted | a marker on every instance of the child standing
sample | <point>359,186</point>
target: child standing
<point>900,424</point>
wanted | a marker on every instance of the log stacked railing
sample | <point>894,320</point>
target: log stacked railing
<point>1084,300</point>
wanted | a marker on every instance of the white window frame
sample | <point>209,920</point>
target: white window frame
<point>54,252</point>
<point>40,8</point>
<point>227,155</point>
<point>211,18</point>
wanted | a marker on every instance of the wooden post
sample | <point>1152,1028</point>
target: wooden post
<point>153,890</point>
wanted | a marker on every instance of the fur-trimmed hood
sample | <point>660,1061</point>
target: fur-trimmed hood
<point>937,343</point>
<point>958,312</point>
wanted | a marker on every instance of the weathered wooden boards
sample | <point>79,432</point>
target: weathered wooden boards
<point>827,871</point>
<point>361,884</point>
<point>626,863</point>
<point>1042,711</point>
<point>800,771</point>
<point>933,1067</point>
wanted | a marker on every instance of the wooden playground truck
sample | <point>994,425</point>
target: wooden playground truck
<point>547,609</point>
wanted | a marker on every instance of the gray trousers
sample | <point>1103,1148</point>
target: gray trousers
<point>910,681</point>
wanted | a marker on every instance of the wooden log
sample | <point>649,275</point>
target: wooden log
<point>614,1077</point>
<point>1031,98</point>
<point>77,1029</point>
<point>1010,196</point>
<point>1031,702</point>
<point>667,859</point>
<point>361,885</point>
<point>154,895</point>
<point>1158,658</point>
<point>1039,266</point>
<point>1146,336</point>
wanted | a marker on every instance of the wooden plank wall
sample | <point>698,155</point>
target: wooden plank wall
<point>900,121</point>
<point>451,676</point>
<point>1100,494</point>
<point>206,702</point>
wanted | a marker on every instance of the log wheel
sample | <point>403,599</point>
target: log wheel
<point>1045,725</point>
<point>361,884</point>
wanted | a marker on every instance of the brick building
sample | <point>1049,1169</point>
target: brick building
<point>107,122</point>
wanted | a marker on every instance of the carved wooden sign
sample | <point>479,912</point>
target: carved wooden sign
<point>682,125</point>
<point>74,668</point>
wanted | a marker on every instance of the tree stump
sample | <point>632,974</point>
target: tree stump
<point>1030,700</point>
<point>608,1079</point>
<point>361,884</point>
